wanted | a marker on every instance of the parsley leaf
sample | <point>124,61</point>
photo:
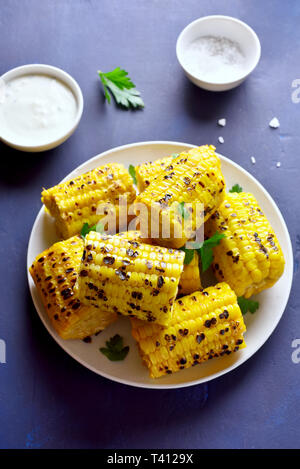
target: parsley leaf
<point>247,305</point>
<point>86,229</point>
<point>132,173</point>
<point>183,210</point>
<point>207,257</point>
<point>236,188</point>
<point>174,155</point>
<point>123,90</point>
<point>114,349</point>
<point>206,249</point>
<point>189,255</point>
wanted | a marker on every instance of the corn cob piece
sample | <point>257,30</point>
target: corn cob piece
<point>190,278</point>
<point>55,273</point>
<point>204,325</point>
<point>250,258</point>
<point>146,172</point>
<point>73,203</point>
<point>193,178</point>
<point>129,277</point>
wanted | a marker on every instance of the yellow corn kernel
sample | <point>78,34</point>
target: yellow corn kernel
<point>190,278</point>
<point>146,172</point>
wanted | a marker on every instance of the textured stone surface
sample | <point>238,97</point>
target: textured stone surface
<point>49,400</point>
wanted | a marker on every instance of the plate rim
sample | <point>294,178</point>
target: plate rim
<point>157,385</point>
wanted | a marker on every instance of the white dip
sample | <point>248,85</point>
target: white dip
<point>214,59</point>
<point>36,110</point>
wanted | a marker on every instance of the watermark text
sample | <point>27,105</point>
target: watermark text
<point>2,351</point>
<point>296,353</point>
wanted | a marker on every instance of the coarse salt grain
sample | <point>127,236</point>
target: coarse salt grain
<point>278,164</point>
<point>214,59</point>
<point>222,122</point>
<point>221,140</point>
<point>274,123</point>
<point>253,160</point>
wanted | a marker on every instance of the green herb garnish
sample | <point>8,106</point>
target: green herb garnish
<point>183,210</point>
<point>174,155</point>
<point>86,229</point>
<point>114,349</point>
<point>121,88</point>
<point>236,188</point>
<point>189,255</point>
<point>206,250</point>
<point>132,173</point>
<point>247,305</point>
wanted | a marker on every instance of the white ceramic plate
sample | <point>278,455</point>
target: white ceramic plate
<point>131,371</point>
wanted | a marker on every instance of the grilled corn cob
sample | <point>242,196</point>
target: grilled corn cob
<point>129,277</point>
<point>193,178</point>
<point>250,258</point>
<point>55,272</point>
<point>204,325</point>
<point>146,172</point>
<point>73,203</point>
<point>190,278</point>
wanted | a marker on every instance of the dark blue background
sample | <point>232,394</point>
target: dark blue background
<point>47,399</point>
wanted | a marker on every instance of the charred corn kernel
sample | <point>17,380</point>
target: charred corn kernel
<point>146,172</point>
<point>129,277</point>
<point>75,202</point>
<point>193,178</point>
<point>204,325</point>
<point>190,278</point>
<point>250,258</point>
<point>55,273</point>
<point>190,281</point>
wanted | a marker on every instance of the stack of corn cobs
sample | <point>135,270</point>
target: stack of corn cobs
<point>86,282</point>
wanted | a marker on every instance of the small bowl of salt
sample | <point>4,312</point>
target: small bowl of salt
<point>218,52</point>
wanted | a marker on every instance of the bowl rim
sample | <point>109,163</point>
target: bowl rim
<point>64,77</point>
<point>223,18</point>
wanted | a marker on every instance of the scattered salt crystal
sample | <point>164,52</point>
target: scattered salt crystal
<point>221,140</point>
<point>253,160</point>
<point>274,123</point>
<point>222,122</point>
<point>214,59</point>
<point>278,164</point>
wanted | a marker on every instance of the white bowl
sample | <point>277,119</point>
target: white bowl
<point>64,77</point>
<point>224,26</point>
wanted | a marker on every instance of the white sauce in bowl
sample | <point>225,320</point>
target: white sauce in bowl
<point>36,109</point>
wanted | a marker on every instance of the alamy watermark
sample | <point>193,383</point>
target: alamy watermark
<point>161,220</point>
<point>296,93</point>
<point>296,353</point>
<point>2,351</point>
